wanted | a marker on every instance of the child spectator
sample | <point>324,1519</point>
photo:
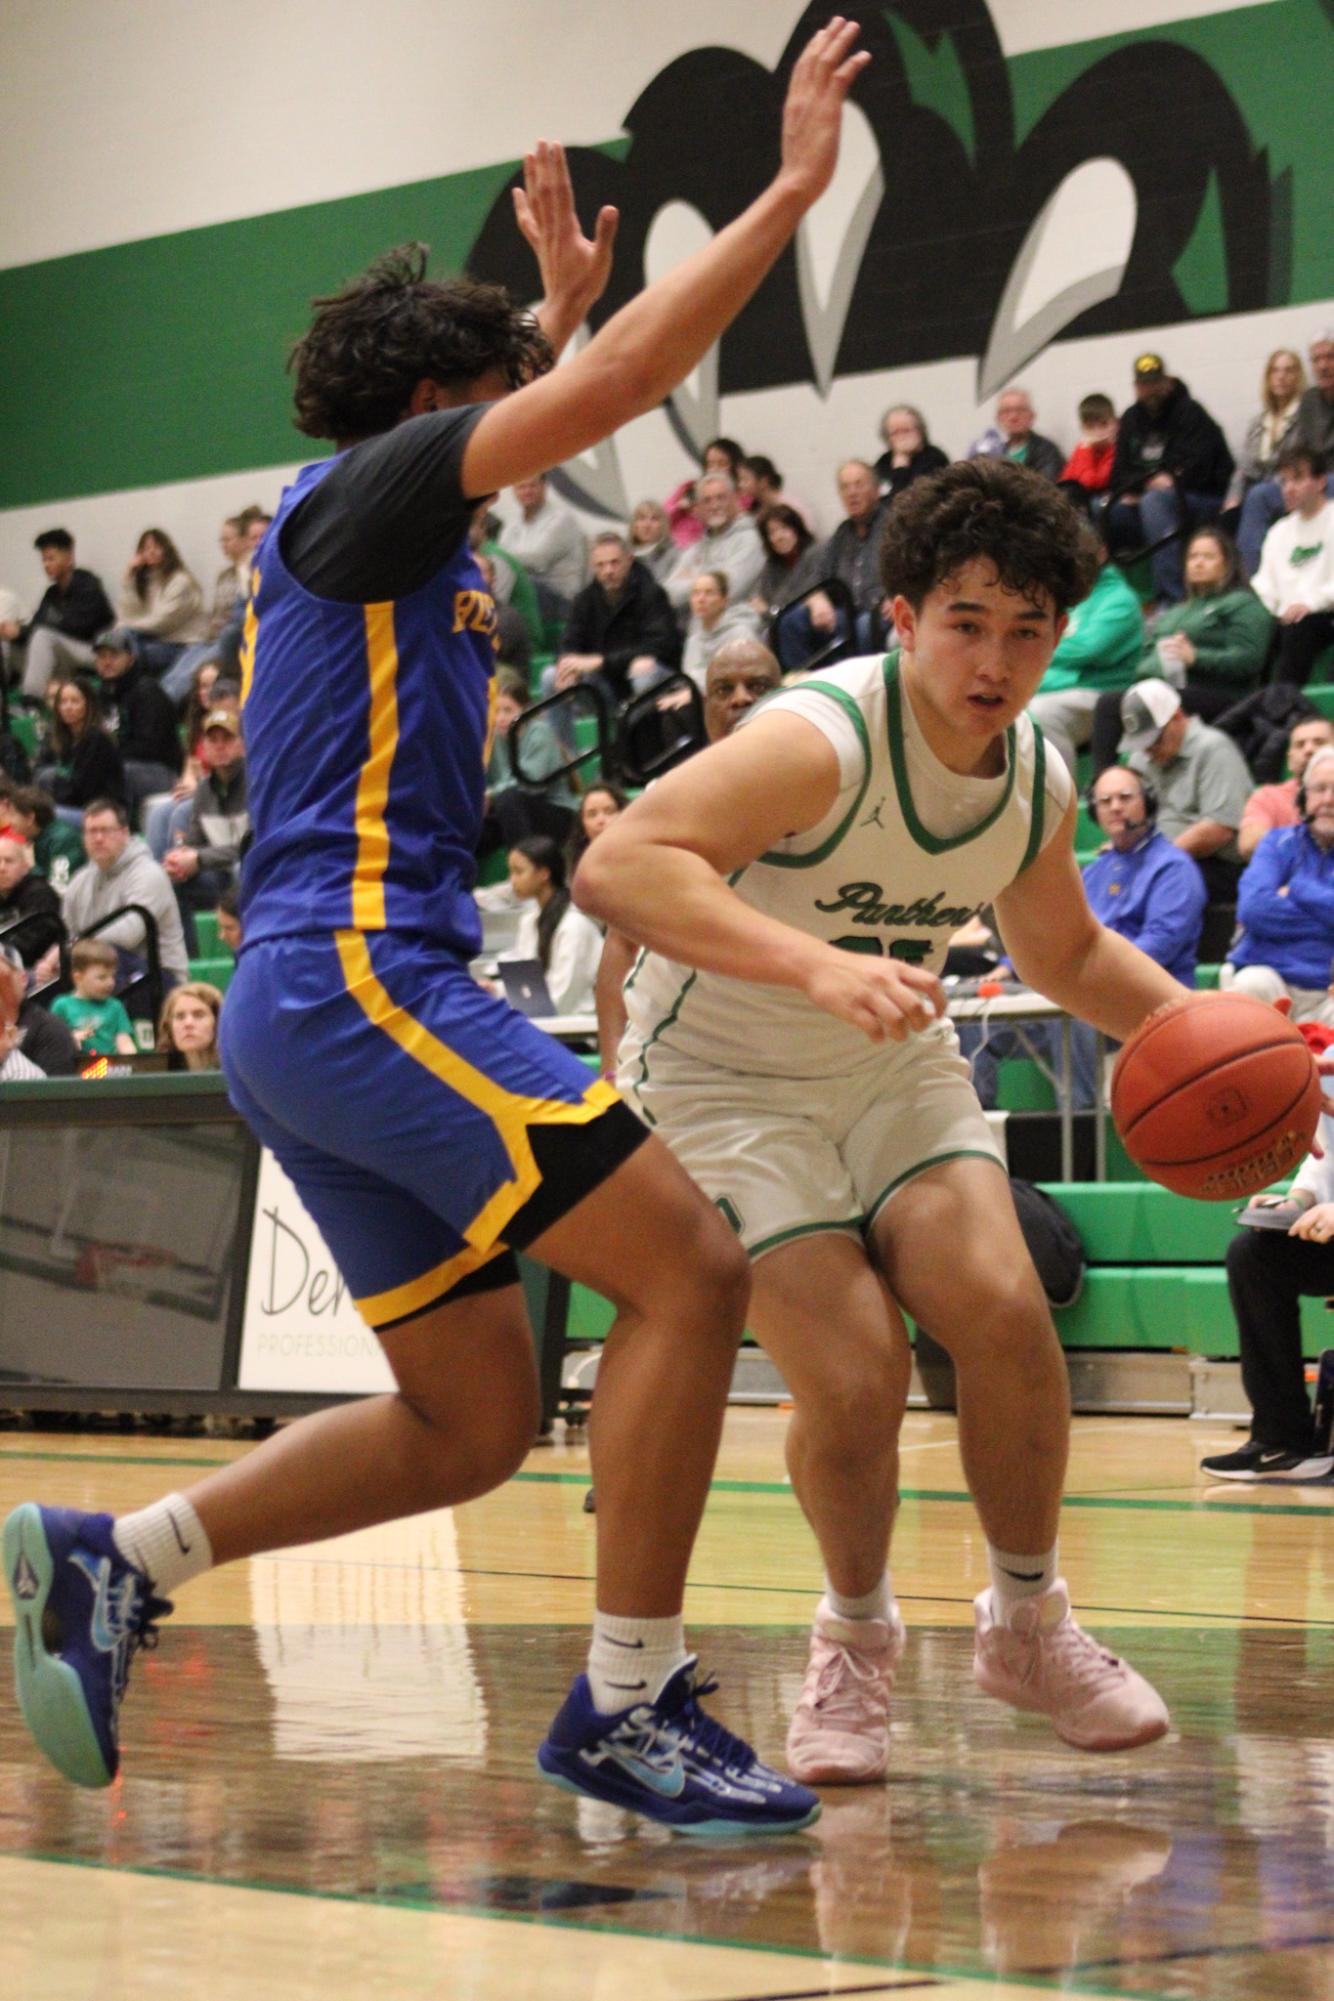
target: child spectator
<point>566,944</point>
<point>187,1032</point>
<point>57,849</point>
<point>597,809</point>
<point>92,1014</point>
<point>1090,463</point>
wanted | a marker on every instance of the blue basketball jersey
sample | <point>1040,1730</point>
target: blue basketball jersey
<point>367,733</point>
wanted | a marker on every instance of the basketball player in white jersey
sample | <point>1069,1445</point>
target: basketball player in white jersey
<point>795,888</point>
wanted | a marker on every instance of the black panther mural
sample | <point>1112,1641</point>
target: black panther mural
<point>943,232</point>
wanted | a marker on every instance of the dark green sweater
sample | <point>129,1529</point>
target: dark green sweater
<point>1230,632</point>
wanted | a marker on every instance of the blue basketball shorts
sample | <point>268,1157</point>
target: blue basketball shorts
<point>428,1128</point>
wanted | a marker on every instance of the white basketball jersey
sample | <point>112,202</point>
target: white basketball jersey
<point>872,877</point>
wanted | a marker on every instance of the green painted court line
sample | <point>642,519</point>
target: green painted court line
<point>114,1458</point>
<point>957,1496</point>
<point>961,1498</point>
<point>386,1900</point>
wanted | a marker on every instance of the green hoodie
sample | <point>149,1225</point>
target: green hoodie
<point>1101,645</point>
<point>1230,631</point>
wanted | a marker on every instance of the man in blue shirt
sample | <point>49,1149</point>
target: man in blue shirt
<point>1285,906</point>
<point>1141,886</point>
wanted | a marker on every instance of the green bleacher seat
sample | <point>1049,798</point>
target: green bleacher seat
<point>217,971</point>
<point>206,931</point>
<point>23,728</point>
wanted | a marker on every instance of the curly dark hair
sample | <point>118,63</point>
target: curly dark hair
<point>998,512</point>
<point>369,345</point>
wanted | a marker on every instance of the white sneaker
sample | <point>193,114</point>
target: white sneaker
<point>1042,1660</point>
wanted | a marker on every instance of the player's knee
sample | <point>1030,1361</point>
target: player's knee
<point>1006,1317</point>
<point>861,1404</point>
<point>498,1437</point>
<point>718,1272</point>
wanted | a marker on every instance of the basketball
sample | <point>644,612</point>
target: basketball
<point>1216,1096</point>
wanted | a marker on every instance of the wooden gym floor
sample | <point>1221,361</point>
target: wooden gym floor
<point>329,1787</point>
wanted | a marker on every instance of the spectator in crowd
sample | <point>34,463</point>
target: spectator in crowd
<point>1090,463</point>
<point>1313,428</point>
<point>45,1041</point>
<point>161,600</point>
<point>724,455</point>
<point>909,452</point>
<point>58,638</point>
<point>1281,388</point>
<point>852,554</point>
<point>761,487</point>
<point>1270,1270</point>
<point>1213,646</point>
<point>1200,777</point>
<point>187,1030</point>
<point>548,541</point>
<point>792,560</point>
<point>1171,471</point>
<point>510,582</point>
<point>15,1067</point>
<point>713,621</point>
<point>513,644</point>
<point>138,715</point>
<point>1094,660</point>
<point>1012,437</point>
<point>740,674</point>
<point>566,944</point>
<point>730,543</point>
<point>1140,886</point>
<point>1295,580</point>
<point>1271,806</point>
<point>232,581</point>
<point>164,818</point>
<point>621,630</point>
<point>513,809</point>
<point>26,901</point>
<point>224,645</point>
<point>119,871</point>
<point>82,761</point>
<point>207,857</point>
<point>1285,906</point>
<point>597,809</point>
<point>57,847</point>
<point>229,919</point>
<point>92,1014</point>
<point>651,541</point>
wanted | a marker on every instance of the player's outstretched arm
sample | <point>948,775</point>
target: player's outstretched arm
<point>1058,946</point>
<point>574,268</point>
<point>662,879</point>
<point>651,345</point>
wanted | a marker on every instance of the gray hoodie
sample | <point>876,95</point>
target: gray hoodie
<point>134,877</point>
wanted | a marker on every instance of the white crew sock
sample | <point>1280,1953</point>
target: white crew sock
<point>1014,1578</point>
<point>166,1541</point>
<point>631,1659</point>
<point>877,1604</point>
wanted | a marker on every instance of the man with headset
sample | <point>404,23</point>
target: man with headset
<point>1141,885</point>
<point>1285,906</point>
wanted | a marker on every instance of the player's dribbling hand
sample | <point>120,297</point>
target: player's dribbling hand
<point>824,73</point>
<point>884,998</point>
<point>574,267</point>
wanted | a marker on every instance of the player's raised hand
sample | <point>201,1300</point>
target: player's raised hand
<point>574,267</point>
<point>812,114</point>
<point>881,997</point>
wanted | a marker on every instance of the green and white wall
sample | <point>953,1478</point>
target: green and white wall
<point>1030,189</point>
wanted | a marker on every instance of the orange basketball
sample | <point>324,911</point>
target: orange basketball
<point>1216,1096</point>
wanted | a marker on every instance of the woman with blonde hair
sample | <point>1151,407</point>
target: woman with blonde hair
<point>187,1029</point>
<point>1269,430</point>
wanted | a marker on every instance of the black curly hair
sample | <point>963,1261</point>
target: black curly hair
<point>370,344</point>
<point>1000,513</point>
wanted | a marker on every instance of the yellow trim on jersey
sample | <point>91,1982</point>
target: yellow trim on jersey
<point>249,634</point>
<point>373,785</point>
<point>378,1309</point>
<point>510,1114</point>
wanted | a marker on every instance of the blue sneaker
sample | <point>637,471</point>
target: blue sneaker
<point>668,1760</point>
<point>80,1613</point>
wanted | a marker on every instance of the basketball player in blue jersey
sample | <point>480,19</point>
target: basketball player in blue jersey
<point>430,1131</point>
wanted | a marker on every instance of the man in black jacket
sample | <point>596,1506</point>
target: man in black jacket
<point>73,610</point>
<point>621,630</point>
<point>1170,473</point>
<point>139,714</point>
